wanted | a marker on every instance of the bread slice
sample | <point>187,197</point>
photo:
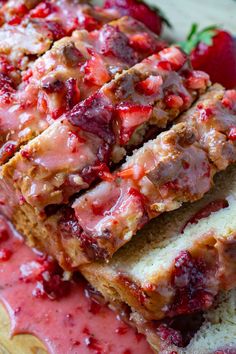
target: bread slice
<point>159,177</point>
<point>179,262</point>
<point>133,209</point>
<point>172,66</point>
<point>31,32</point>
<point>90,59</point>
<point>73,69</point>
<point>101,129</point>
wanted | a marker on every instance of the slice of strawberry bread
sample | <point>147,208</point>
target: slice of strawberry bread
<point>178,263</point>
<point>101,129</point>
<point>159,177</point>
<point>90,59</point>
<point>108,216</point>
<point>72,70</point>
<point>28,35</point>
<point>172,169</point>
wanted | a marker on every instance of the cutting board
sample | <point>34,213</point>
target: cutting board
<point>182,14</point>
<point>20,344</point>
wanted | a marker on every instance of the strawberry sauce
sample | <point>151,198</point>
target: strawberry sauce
<point>65,325</point>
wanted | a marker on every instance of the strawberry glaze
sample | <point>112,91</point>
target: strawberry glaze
<point>72,324</point>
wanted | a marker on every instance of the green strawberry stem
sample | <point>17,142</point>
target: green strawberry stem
<point>195,37</point>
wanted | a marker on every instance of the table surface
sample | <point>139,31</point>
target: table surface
<point>181,13</point>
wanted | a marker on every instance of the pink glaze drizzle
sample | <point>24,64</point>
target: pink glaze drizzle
<point>69,325</point>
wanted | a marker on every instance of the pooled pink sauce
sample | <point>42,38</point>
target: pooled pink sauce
<point>73,324</point>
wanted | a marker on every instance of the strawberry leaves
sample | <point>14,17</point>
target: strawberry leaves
<point>212,50</point>
<point>195,37</point>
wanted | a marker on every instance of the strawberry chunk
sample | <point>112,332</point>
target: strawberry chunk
<point>25,154</point>
<point>4,234</point>
<point>100,168</point>
<point>68,224</point>
<point>189,279</point>
<point>142,42</point>
<point>174,56</point>
<point>205,114</point>
<point>7,150</point>
<point>170,335</point>
<point>6,89</point>
<point>5,66</point>
<point>5,254</point>
<point>89,23</point>
<point>42,10</point>
<point>14,21</point>
<point>94,115</point>
<point>21,10</point>
<point>229,100</point>
<point>197,80</point>
<point>129,117</point>
<point>232,134</point>
<point>5,83</point>
<point>52,85</point>
<point>174,101</point>
<point>47,276</point>
<point>105,173</point>
<point>72,93</point>
<point>150,86</point>
<point>206,211</point>
<point>116,43</point>
<point>164,65</point>
<point>95,71</point>
<point>56,29</point>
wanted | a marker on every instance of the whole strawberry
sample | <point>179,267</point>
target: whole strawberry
<point>213,50</point>
<point>150,16</point>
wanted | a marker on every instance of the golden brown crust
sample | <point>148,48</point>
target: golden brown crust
<point>36,235</point>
